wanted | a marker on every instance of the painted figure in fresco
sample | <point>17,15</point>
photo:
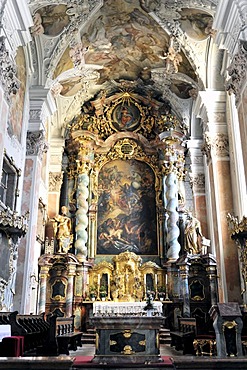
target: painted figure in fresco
<point>192,235</point>
<point>62,230</point>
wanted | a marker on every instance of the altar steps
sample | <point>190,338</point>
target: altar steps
<point>165,337</point>
<point>89,337</point>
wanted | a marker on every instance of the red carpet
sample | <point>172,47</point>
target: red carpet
<point>83,360</point>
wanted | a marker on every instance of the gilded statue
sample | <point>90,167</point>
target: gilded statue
<point>62,230</point>
<point>192,235</point>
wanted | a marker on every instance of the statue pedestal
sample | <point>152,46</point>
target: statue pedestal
<point>127,339</point>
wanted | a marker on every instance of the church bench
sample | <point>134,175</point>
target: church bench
<point>62,336</point>
<point>183,338</point>
<point>67,338</point>
<point>33,328</point>
<point>27,333</point>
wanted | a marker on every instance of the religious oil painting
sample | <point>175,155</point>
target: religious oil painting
<point>126,208</point>
<point>126,117</point>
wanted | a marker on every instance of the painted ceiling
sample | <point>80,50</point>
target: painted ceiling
<point>91,49</point>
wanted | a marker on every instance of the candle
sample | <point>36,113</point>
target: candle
<point>166,279</point>
<point>99,279</point>
<point>87,279</point>
<point>144,279</point>
<point>156,279</point>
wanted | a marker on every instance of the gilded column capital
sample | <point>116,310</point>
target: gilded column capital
<point>81,154</point>
<point>173,158</point>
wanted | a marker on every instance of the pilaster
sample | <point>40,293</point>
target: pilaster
<point>216,149</point>
<point>36,146</point>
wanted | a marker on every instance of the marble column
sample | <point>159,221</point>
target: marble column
<point>197,178</point>
<point>184,274</point>
<point>82,217</point>
<point>216,149</point>
<point>42,288</point>
<point>69,294</point>
<point>82,153</point>
<point>172,227</point>
<point>212,275</point>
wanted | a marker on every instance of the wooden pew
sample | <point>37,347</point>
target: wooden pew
<point>182,339</point>
<point>53,336</point>
<point>62,337</point>
<point>34,328</point>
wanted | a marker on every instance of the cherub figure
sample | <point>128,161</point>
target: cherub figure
<point>172,57</point>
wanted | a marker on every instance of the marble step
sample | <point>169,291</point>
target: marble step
<point>164,335</point>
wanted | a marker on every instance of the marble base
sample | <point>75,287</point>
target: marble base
<point>127,359</point>
<point>127,340</point>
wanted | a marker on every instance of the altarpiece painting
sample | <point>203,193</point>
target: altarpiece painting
<point>126,208</point>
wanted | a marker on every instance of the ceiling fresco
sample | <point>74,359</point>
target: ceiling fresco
<point>96,47</point>
<point>127,43</point>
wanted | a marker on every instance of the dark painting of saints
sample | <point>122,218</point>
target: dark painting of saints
<point>126,208</point>
<point>126,117</point>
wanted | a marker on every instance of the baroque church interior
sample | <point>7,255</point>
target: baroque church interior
<point>124,161</point>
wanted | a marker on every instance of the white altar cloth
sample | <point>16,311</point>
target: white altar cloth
<point>124,308</point>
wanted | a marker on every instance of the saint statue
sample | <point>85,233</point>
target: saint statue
<point>192,235</point>
<point>62,230</point>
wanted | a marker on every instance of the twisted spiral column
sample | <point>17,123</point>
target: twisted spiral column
<point>81,217</point>
<point>172,227</point>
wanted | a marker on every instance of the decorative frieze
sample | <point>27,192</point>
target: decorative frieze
<point>8,72</point>
<point>237,71</point>
<point>35,115</point>
<point>198,182</point>
<point>36,144</point>
<point>16,224</point>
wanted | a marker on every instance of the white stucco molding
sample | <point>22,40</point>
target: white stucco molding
<point>16,20</point>
<point>42,107</point>
<point>231,24</point>
<point>210,106</point>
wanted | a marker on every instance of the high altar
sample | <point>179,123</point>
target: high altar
<point>124,230</point>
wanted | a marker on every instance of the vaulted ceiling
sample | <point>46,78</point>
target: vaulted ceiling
<point>86,51</point>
